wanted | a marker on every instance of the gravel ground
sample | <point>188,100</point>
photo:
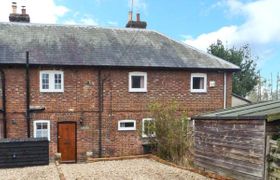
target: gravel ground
<point>141,169</point>
<point>29,173</point>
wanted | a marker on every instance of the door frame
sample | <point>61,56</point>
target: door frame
<point>67,122</point>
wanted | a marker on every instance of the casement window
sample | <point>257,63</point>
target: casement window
<point>198,82</point>
<point>41,129</point>
<point>148,127</point>
<point>127,125</point>
<point>51,81</point>
<point>137,82</point>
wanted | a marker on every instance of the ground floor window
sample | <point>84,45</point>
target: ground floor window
<point>148,127</point>
<point>42,129</point>
<point>127,125</point>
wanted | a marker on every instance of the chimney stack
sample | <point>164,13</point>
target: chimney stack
<point>23,10</point>
<point>135,24</point>
<point>15,17</point>
<point>14,7</point>
<point>138,17</point>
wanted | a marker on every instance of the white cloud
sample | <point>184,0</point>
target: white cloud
<point>226,34</point>
<point>113,23</point>
<point>89,21</point>
<point>138,5</point>
<point>40,11</point>
<point>84,20</point>
<point>261,26</point>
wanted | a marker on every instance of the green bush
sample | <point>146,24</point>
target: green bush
<point>170,134</point>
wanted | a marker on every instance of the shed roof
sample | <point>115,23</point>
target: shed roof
<point>241,98</point>
<point>96,46</point>
<point>268,110</point>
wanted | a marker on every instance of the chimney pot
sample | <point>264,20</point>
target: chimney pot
<point>138,17</point>
<point>23,10</point>
<point>14,7</point>
<point>129,16</point>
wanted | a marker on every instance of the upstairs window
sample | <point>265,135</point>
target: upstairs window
<point>148,127</point>
<point>137,82</point>
<point>42,129</point>
<point>127,125</point>
<point>198,82</point>
<point>51,81</point>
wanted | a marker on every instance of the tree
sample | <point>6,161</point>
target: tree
<point>246,79</point>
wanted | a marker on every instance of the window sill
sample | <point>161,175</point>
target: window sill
<point>201,92</point>
<point>126,129</point>
<point>137,90</point>
<point>51,91</point>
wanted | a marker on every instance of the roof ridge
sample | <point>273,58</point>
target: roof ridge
<point>76,25</point>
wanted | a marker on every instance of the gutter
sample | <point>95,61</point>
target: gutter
<point>207,69</point>
<point>3,82</point>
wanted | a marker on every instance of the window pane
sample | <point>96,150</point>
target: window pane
<point>45,81</point>
<point>137,81</point>
<point>41,130</point>
<point>149,127</point>
<point>127,124</point>
<point>198,83</point>
<point>57,81</point>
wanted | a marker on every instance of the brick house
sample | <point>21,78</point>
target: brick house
<point>87,88</point>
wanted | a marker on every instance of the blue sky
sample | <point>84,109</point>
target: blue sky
<point>195,22</point>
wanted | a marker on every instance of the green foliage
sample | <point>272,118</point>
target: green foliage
<point>171,137</point>
<point>245,80</point>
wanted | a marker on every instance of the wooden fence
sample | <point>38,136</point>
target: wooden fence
<point>273,169</point>
<point>24,152</point>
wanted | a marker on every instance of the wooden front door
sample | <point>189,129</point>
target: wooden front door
<point>67,141</point>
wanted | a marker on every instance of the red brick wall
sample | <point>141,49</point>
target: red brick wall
<point>80,101</point>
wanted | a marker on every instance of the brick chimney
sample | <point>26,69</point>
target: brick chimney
<point>135,24</point>
<point>15,17</point>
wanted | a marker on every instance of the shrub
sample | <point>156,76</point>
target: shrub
<point>170,134</point>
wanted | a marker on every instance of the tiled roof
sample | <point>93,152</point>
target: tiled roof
<point>95,46</point>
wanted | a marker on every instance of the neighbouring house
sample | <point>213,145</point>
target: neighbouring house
<point>233,142</point>
<point>237,100</point>
<point>87,88</point>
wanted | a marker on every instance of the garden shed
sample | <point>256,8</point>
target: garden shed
<point>235,142</point>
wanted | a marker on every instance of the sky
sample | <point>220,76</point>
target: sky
<point>196,22</point>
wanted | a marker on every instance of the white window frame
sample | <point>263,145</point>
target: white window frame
<point>200,75</point>
<point>52,81</point>
<point>35,127</point>
<point>144,89</point>
<point>126,128</point>
<point>143,128</point>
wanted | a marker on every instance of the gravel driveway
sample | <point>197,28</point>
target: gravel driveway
<point>29,173</point>
<point>141,169</point>
<point>138,169</point>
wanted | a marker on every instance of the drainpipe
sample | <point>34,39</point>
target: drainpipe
<point>100,110</point>
<point>225,90</point>
<point>3,81</point>
<point>27,94</point>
